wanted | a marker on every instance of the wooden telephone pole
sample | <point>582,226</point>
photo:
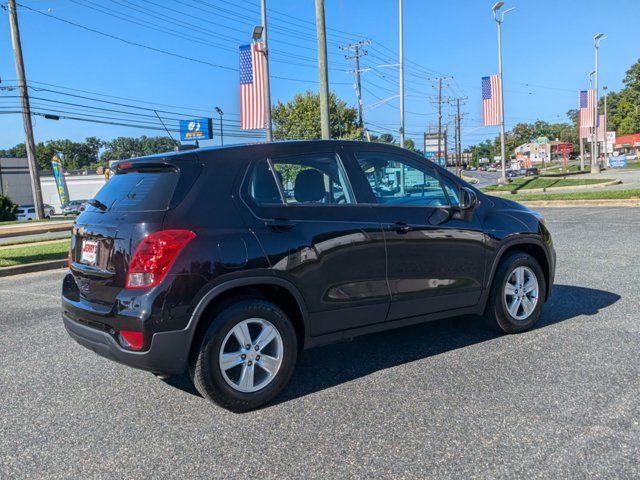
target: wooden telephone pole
<point>26,111</point>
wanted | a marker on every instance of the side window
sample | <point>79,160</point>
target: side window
<point>313,179</point>
<point>395,180</point>
<point>452,190</point>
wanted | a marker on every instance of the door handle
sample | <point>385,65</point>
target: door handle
<point>279,223</point>
<point>401,227</point>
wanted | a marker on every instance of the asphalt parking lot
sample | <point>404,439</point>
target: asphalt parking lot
<point>445,399</point>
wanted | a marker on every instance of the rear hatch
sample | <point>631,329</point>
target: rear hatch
<point>131,205</point>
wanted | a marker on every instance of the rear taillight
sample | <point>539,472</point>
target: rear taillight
<point>132,340</point>
<point>154,256</point>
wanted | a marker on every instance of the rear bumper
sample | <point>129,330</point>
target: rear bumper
<point>167,354</point>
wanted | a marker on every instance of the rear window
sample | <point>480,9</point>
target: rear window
<point>138,190</point>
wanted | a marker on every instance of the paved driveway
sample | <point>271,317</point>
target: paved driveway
<point>445,399</point>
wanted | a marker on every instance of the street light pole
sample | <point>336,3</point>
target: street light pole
<point>604,126</point>
<point>220,112</point>
<point>595,162</point>
<point>267,86</point>
<point>30,143</point>
<point>401,51</point>
<point>499,20</point>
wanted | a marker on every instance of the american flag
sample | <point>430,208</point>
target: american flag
<point>251,87</point>
<point>586,102</point>
<point>491,100</point>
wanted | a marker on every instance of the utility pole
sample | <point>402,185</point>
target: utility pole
<point>321,33</point>
<point>401,62</point>
<point>26,111</point>
<point>458,137</point>
<point>358,51</point>
<point>440,100</point>
<point>267,86</point>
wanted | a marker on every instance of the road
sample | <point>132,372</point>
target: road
<point>448,399</point>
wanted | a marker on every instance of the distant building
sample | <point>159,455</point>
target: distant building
<point>14,180</point>
<point>628,144</point>
<point>540,151</point>
<point>16,184</point>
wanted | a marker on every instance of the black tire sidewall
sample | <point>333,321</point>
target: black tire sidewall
<point>498,309</point>
<point>207,375</point>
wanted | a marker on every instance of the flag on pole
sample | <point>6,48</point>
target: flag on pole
<point>491,100</point>
<point>252,87</point>
<point>586,103</point>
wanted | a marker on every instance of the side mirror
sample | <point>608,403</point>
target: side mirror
<point>468,199</point>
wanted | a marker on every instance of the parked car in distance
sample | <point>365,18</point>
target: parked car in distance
<point>28,212</point>
<point>492,169</point>
<point>226,262</point>
<point>74,207</point>
<point>530,172</point>
<point>512,173</point>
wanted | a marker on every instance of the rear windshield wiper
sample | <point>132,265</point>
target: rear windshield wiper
<point>94,202</point>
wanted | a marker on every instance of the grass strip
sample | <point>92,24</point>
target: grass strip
<point>590,195</point>
<point>539,182</point>
<point>33,253</point>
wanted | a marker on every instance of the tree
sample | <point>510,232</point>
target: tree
<point>8,209</point>
<point>299,118</point>
<point>127,147</point>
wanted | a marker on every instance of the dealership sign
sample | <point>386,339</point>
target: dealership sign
<point>196,129</point>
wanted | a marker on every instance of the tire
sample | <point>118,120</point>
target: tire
<point>497,314</point>
<point>225,387</point>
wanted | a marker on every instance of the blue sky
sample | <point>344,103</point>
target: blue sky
<point>548,54</point>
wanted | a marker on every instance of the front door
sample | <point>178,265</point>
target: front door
<point>436,260</point>
<point>316,235</point>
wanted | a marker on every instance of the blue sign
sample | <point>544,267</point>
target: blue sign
<point>618,162</point>
<point>196,129</point>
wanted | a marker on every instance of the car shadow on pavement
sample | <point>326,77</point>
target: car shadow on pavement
<point>332,365</point>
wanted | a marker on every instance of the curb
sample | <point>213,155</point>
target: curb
<point>33,267</point>
<point>622,202</point>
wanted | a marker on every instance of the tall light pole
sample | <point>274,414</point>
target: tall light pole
<point>401,62</point>
<point>595,162</point>
<point>499,19</point>
<point>267,86</point>
<point>220,112</point>
<point>604,126</point>
<point>30,143</point>
<point>323,70</point>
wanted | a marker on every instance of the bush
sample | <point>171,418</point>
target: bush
<point>8,209</point>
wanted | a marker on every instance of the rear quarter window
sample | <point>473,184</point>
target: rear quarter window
<point>138,190</point>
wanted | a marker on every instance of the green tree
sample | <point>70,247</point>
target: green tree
<point>8,209</point>
<point>299,118</point>
<point>128,147</point>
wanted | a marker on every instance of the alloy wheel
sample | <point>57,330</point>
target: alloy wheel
<point>251,355</point>
<point>521,293</point>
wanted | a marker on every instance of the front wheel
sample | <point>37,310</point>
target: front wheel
<point>247,355</point>
<point>517,294</point>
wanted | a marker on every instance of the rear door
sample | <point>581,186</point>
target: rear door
<point>316,235</point>
<point>129,206</point>
<point>435,260</point>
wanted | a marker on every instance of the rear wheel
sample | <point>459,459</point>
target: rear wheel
<point>517,294</point>
<point>246,357</point>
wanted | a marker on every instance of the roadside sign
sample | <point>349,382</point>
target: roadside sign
<point>196,129</point>
<point>61,181</point>
<point>617,162</point>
